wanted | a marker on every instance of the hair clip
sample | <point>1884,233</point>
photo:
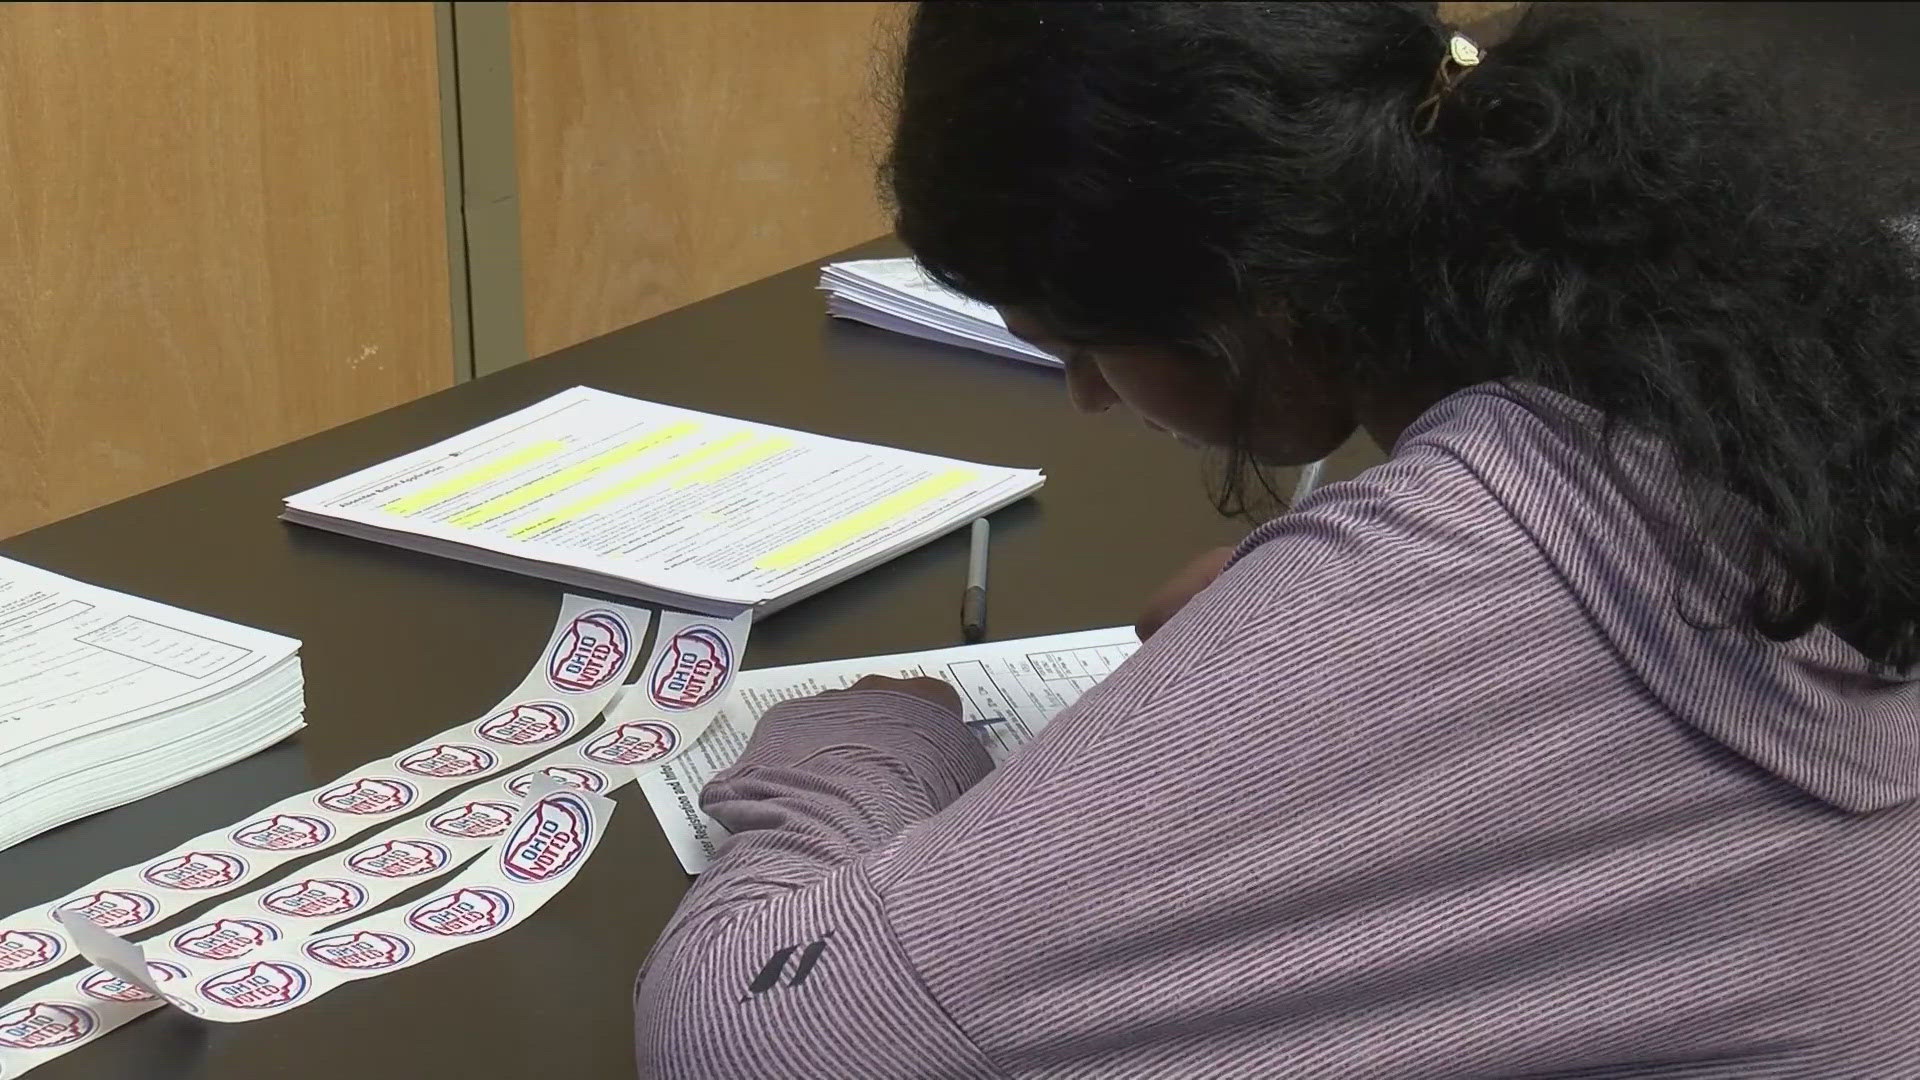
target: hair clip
<point>1462,56</point>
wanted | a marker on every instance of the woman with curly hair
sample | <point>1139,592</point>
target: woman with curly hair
<point>1579,739</point>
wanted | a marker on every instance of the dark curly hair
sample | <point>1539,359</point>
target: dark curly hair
<point>1643,227</point>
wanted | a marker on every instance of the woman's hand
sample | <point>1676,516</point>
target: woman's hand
<point>1184,586</point>
<point>931,691</point>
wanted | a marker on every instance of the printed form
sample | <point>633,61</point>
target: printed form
<point>687,503</point>
<point>905,276</point>
<point>75,658</point>
<point>1009,690</point>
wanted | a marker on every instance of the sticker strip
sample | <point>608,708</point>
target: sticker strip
<point>360,879</point>
<point>542,852</point>
<point>550,838</point>
<point>581,668</point>
<point>65,1016</point>
<point>686,680</point>
<point>78,1010</point>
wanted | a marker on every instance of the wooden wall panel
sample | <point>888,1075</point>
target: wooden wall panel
<point>221,228</point>
<point>668,152</point>
<point>1463,12</point>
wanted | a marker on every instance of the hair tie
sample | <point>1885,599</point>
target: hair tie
<point>1460,57</point>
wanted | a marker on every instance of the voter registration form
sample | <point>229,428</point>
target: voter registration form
<point>106,697</point>
<point>74,657</point>
<point>665,503</point>
<point>1009,690</point>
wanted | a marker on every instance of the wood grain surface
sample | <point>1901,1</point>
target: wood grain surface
<point>668,152</point>
<point>221,228</point>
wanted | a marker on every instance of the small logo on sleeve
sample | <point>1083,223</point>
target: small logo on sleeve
<point>462,913</point>
<point>529,724</point>
<point>26,950</point>
<point>46,1024</point>
<point>197,870</point>
<point>262,985</point>
<point>364,950</point>
<point>590,654</point>
<point>449,759</point>
<point>284,832</point>
<point>225,939</point>
<point>692,670</point>
<point>635,743</point>
<point>368,795</point>
<point>774,972</point>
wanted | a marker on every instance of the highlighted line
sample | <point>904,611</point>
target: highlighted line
<point>408,505</point>
<point>893,506</point>
<point>513,500</point>
<point>733,463</point>
<point>629,485</point>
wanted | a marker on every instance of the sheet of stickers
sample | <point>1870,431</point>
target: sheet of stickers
<point>503,809</point>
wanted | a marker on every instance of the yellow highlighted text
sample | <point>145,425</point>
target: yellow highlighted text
<point>733,463</point>
<point>513,500</point>
<point>630,484</point>
<point>886,510</point>
<point>467,481</point>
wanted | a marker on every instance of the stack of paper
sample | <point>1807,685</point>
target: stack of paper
<point>106,698</point>
<point>894,294</point>
<point>667,505</point>
<point>1009,690</point>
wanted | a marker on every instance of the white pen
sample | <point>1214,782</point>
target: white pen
<point>973,605</point>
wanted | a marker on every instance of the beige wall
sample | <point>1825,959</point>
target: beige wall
<point>221,228</point>
<point>224,225</point>
<point>668,152</point>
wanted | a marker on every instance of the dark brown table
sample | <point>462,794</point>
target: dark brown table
<point>397,646</point>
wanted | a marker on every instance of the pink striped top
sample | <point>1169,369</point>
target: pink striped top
<point>1454,773</point>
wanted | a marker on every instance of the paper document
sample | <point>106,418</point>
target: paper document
<point>896,295</point>
<point>106,697</point>
<point>1009,690</point>
<point>662,503</point>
